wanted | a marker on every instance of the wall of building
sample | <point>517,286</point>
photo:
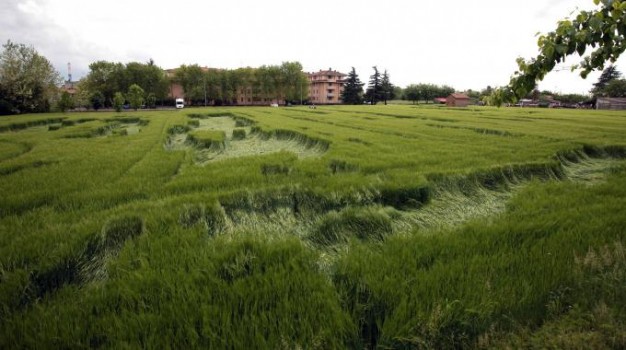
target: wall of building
<point>325,87</point>
<point>614,103</point>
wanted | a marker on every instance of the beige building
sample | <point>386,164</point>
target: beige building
<point>325,87</point>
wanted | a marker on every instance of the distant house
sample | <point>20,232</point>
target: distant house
<point>616,103</point>
<point>458,100</point>
<point>441,100</point>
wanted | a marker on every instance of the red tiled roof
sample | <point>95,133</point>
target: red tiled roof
<point>329,72</point>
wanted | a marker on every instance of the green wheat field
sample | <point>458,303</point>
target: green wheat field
<point>294,228</point>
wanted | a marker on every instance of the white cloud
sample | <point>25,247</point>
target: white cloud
<point>460,43</point>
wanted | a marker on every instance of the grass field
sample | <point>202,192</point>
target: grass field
<point>340,227</point>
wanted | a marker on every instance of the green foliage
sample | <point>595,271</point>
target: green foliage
<point>352,93</point>
<point>118,101</point>
<point>110,77</point>
<point>28,81</point>
<point>609,74</point>
<point>151,100</point>
<point>65,102</point>
<point>387,89</point>
<point>97,100</point>
<point>602,29</point>
<point>426,92</point>
<point>374,92</point>
<point>135,96</point>
<point>283,83</point>
<point>615,88</point>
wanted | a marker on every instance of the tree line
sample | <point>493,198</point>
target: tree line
<point>112,84</point>
<point>379,89</point>
<point>208,86</point>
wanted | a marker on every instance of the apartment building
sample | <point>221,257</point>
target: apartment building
<point>325,86</point>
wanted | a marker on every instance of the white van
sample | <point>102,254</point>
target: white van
<point>180,103</point>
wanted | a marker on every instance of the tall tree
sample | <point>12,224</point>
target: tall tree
<point>135,96</point>
<point>294,80</point>
<point>118,101</point>
<point>353,90</point>
<point>192,79</point>
<point>247,84</point>
<point>212,80</point>
<point>373,93</point>
<point>96,100</point>
<point>413,93</point>
<point>386,88</point>
<point>28,81</point>
<point>65,102</point>
<point>106,78</point>
<point>609,74</point>
<point>615,88</point>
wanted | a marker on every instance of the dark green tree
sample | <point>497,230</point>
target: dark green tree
<point>386,88</point>
<point>97,100</point>
<point>609,74</point>
<point>398,93</point>
<point>106,78</point>
<point>135,96</point>
<point>192,79</point>
<point>65,102</point>
<point>151,100</point>
<point>413,93</point>
<point>118,101</point>
<point>353,89</point>
<point>615,88</point>
<point>444,91</point>
<point>374,91</point>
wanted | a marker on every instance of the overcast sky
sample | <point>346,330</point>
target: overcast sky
<point>465,44</point>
